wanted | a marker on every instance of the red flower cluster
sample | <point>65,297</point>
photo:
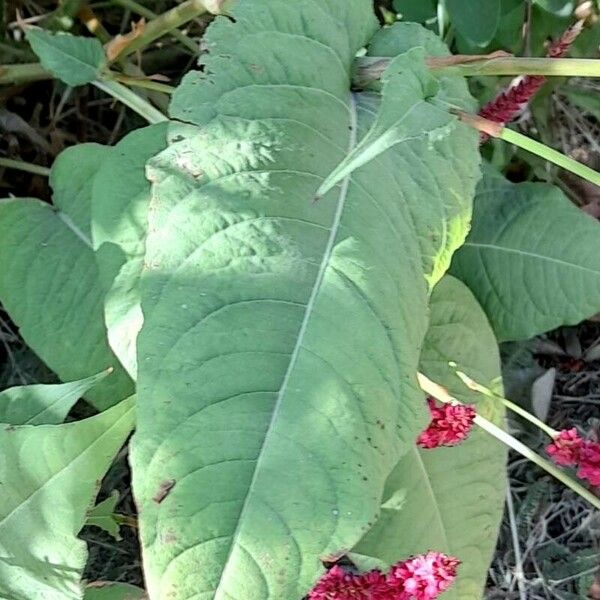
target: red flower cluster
<point>570,450</point>
<point>507,106</point>
<point>450,425</point>
<point>422,577</point>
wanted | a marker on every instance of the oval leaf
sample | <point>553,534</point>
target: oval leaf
<point>72,59</point>
<point>532,258</point>
<point>49,280</point>
<point>281,336</point>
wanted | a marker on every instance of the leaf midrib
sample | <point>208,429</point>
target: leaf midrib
<point>531,255</point>
<point>301,332</point>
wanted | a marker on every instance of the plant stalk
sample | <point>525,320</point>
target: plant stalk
<point>22,73</point>
<point>477,387</point>
<point>370,68</point>
<point>147,84</point>
<point>498,130</point>
<point>437,391</point>
<point>20,165</point>
<point>168,21</point>
<point>551,155</point>
<point>150,15</point>
<point>130,99</point>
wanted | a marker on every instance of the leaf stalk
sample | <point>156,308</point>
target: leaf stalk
<point>441,394</point>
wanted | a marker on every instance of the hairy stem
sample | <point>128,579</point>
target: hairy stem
<point>167,22</point>
<point>24,166</point>
<point>150,15</point>
<point>369,68</point>
<point>437,391</point>
<point>130,99</point>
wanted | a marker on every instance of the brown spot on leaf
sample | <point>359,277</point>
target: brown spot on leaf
<point>163,490</point>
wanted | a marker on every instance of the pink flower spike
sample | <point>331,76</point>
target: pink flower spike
<point>338,584</point>
<point>589,463</point>
<point>423,577</point>
<point>450,424</point>
<point>566,448</point>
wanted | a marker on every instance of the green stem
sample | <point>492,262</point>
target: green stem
<point>130,99</point>
<point>23,73</point>
<point>437,391</point>
<point>529,454</point>
<point>477,387</point>
<point>166,23</point>
<point>146,84</point>
<point>148,14</point>
<point>512,65</point>
<point>551,155</point>
<point>24,166</point>
<point>370,68</point>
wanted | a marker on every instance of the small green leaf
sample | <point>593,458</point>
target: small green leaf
<point>106,590</point>
<point>477,22</point>
<point>103,515</point>
<point>72,59</point>
<point>532,258</point>
<point>49,476</point>
<point>407,112</point>
<point>43,404</point>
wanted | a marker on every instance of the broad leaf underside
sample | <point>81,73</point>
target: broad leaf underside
<point>281,336</point>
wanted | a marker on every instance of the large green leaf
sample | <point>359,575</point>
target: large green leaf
<point>43,404</point>
<point>477,22</point>
<point>532,258</point>
<point>49,281</point>
<point>73,59</point>
<point>49,476</point>
<point>449,499</point>
<point>120,199</point>
<point>281,336</point>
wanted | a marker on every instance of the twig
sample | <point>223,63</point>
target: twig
<point>148,14</point>
<point>516,546</point>
<point>144,83</point>
<point>171,20</point>
<point>20,165</point>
